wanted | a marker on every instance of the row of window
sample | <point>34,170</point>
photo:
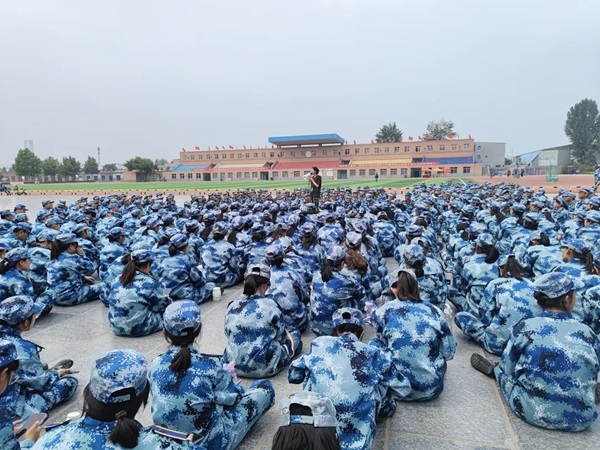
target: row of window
<point>325,152</point>
<point>297,174</point>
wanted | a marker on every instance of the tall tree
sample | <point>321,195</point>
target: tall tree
<point>27,164</point>
<point>389,133</point>
<point>51,166</point>
<point>91,165</point>
<point>161,162</point>
<point>70,167</point>
<point>144,167</point>
<point>109,167</point>
<point>583,129</point>
<point>438,130</point>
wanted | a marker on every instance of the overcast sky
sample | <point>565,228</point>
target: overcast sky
<point>149,77</point>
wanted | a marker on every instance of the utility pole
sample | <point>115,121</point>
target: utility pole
<point>99,165</point>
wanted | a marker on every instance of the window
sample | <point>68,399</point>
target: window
<point>367,151</point>
<point>208,156</point>
<point>230,175</point>
<point>418,149</point>
<point>352,173</point>
<point>292,154</point>
<point>406,148</point>
<point>198,176</point>
<point>192,157</point>
<point>346,151</point>
<point>214,176</point>
<point>396,149</point>
<point>466,169</point>
<point>404,172</point>
<point>453,147</point>
<point>254,174</point>
<point>376,150</point>
<point>263,155</point>
<point>232,156</point>
<point>453,169</point>
<point>255,155</point>
<point>190,175</point>
<point>274,175</point>
<point>173,176</point>
<point>393,171</point>
<point>272,155</point>
<point>336,152</point>
<point>442,148</point>
<point>216,156</point>
<point>386,149</point>
<point>224,156</point>
<point>362,172</point>
<point>467,146</point>
<point>284,174</point>
<point>238,174</point>
<point>199,156</point>
<point>246,174</point>
<point>429,148</point>
<point>383,172</point>
<point>182,176</point>
<point>371,172</point>
<point>296,174</point>
<point>239,156</point>
<point>247,155</point>
<point>357,151</point>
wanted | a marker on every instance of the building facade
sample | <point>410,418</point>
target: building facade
<point>289,158</point>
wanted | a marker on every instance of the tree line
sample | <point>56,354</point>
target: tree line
<point>28,164</point>
<point>436,130</point>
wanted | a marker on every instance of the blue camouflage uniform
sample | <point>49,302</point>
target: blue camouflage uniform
<point>432,285</point>
<point>40,259</point>
<point>257,340</point>
<point>39,390</point>
<point>506,301</point>
<point>180,274</point>
<point>221,262</point>
<point>354,375</point>
<point>137,309</point>
<point>112,251</point>
<point>538,259</point>
<point>549,370</point>
<point>112,372</point>
<point>386,235</point>
<point>415,336</point>
<point>344,289</point>
<point>204,400</point>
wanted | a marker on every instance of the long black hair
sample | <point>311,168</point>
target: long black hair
<point>491,253</point>
<point>252,282</point>
<point>130,269</point>
<point>58,248</point>
<point>5,266</point>
<point>512,269</point>
<point>183,359</point>
<point>328,268</point>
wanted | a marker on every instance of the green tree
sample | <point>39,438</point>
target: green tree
<point>51,166</point>
<point>70,167</point>
<point>161,162</point>
<point>389,133</point>
<point>144,167</point>
<point>109,167</point>
<point>91,165</point>
<point>438,130</point>
<point>27,164</point>
<point>583,129</point>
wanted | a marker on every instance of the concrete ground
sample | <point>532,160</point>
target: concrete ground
<point>470,413</point>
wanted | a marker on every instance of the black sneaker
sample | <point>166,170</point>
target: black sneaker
<point>480,364</point>
<point>63,364</point>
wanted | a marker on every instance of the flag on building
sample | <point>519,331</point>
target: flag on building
<point>354,142</point>
<point>244,147</point>
<point>470,137</point>
<point>222,147</point>
<point>231,147</point>
<point>197,148</point>
<point>372,141</point>
<point>420,138</point>
<point>451,136</point>
<point>410,138</point>
<point>209,148</point>
<point>182,149</point>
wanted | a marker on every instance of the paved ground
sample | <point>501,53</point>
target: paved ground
<point>469,414</point>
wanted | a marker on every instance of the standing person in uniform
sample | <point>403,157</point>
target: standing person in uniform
<point>315,186</point>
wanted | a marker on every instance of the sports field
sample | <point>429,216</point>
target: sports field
<point>218,185</point>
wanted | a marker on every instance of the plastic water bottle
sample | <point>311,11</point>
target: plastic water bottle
<point>216,294</point>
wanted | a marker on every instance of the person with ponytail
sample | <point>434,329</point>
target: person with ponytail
<point>40,259</point>
<point>221,260</point>
<point>117,390</point>
<point>417,339</point>
<point>590,299</point>
<point>331,233</point>
<point>181,274</point>
<point>334,287</point>
<point>257,339</point>
<point>478,271</point>
<point>38,390</point>
<point>115,249</point>
<point>506,301</point>
<point>66,273</point>
<point>540,256</point>
<point>310,252</point>
<point>14,279</point>
<point>194,393</point>
<point>138,300</point>
<point>386,234</point>
<point>432,283</point>
<point>548,372</point>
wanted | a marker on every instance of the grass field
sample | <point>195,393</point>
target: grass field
<point>217,185</point>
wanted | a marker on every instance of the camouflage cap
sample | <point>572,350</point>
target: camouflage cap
<point>47,202</point>
<point>347,315</point>
<point>142,256</point>
<point>182,318</point>
<point>5,245</point>
<point>354,239</point>
<point>413,253</point>
<point>336,254</point>
<point>80,228</point>
<point>8,352</point>
<point>593,216</point>
<point>260,270</point>
<point>179,240</point>
<point>17,309</point>
<point>504,259</point>
<point>54,220</point>
<point>117,232</point>
<point>116,371</point>
<point>556,284</point>
<point>23,226</point>
<point>577,245</point>
<point>17,254</point>
<point>485,240</point>
<point>192,225</point>
<point>535,235</point>
<point>220,228</point>
<point>21,217</point>
<point>414,230</point>
<point>307,229</point>
<point>66,238</point>
<point>153,222</point>
<point>21,206</point>
<point>321,407</point>
<point>274,251</point>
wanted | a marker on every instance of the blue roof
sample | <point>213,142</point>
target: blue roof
<point>457,160</point>
<point>307,139</point>
<point>182,168</point>
<point>528,158</point>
